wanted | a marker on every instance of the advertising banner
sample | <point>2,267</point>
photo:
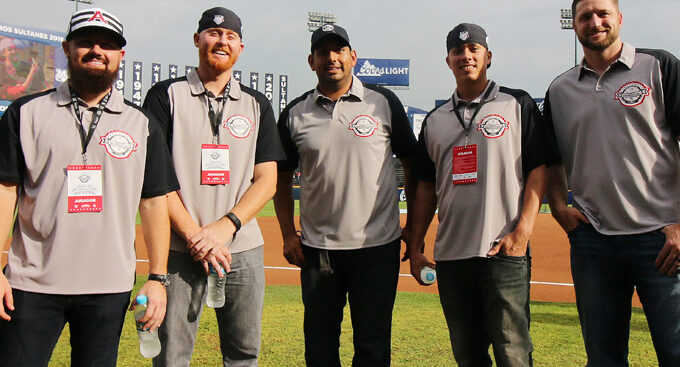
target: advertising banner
<point>283,92</point>
<point>254,80</point>
<point>237,75</point>
<point>137,83</point>
<point>390,72</point>
<point>119,84</point>
<point>172,71</point>
<point>155,73</point>
<point>269,87</point>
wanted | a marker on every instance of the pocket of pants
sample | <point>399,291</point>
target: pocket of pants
<point>515,259</point>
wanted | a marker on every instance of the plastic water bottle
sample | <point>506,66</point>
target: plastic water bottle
<point>428,275</point>
<point>215,296</point>
<point>149,344</point>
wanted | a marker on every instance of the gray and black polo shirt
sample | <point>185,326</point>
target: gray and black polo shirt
<point>617,137</point>
<point>181,106</point>
<point>509,135</point>
<point>348,188</point>
<point>57,252</point>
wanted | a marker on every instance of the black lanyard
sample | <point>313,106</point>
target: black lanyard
<point>215,120</point>
<point>85,139</point>
<point>489,89</point>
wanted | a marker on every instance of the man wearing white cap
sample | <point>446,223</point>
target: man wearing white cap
<point>78,161</point>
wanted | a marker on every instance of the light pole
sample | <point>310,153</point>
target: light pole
<point>316,19</point>
<point>81,1</point>
<point>567,22</point>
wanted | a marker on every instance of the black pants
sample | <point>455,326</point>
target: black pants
<point>368,277</point>
<point>95,323</point>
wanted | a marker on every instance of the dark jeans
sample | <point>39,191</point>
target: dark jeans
<point>95,323</point>
<point>606,270</point>
<point>368,277</point>
<point>486,302</point>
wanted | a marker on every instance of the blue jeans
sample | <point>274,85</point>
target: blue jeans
<point>606,270</point>
<point>239,320</point>
<point>368,278</point>
<point>95,323</point>
<point>486,302</point>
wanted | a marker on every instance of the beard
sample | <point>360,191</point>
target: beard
<point>612,36</point>
<point>92,80</point>
<point>219,66</point>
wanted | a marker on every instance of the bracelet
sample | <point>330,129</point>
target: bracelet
<point>234,219</point>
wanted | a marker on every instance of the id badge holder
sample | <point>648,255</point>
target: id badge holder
<point>464,164</point>
<point>214,164</point>
<point>84,188</point>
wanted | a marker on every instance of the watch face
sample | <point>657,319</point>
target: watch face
<point>162,278</point>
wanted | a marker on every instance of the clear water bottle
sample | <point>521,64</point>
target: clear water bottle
<point>149,344</point>
<point>215,296</point>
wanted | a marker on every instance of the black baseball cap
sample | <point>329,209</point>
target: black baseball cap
<point>220,18</point>
<point>98,18</point>
<point>329,30</point>
<point>465,33</point>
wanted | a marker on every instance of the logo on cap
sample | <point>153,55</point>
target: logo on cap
<point>328,28</point>
<point>218,19</point>
<point>493,126</point>
<point>464,35</point>
<point>239,126</point>
<point>98,16</point>
<point>363,126</point>
<point>119,144</point>
<point>632,94</point>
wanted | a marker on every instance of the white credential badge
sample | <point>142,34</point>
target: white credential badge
<point>84,188</point>
<point>214,164</point>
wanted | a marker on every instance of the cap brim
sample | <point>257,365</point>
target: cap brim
<point>341,38</point>
<point>121,40</point>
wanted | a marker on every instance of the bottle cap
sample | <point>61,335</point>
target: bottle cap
<point>141,299</point>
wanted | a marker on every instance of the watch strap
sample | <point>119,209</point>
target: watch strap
<point>234,219</point>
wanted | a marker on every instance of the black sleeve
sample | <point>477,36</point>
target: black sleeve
<point>551,139</point>
<point>268,147</point>
<point>159,174</point>
<point>425,169</point>
<point>11,156</point>
<point>402,140</point>
<point>290,162</point>
<point>157,102</point>
<point>670,79</point>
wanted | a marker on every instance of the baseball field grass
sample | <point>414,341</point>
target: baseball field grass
<point>419,335</point>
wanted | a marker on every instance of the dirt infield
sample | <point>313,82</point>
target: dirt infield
<point>551,275</point>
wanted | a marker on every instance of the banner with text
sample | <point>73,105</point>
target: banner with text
<point>390,72</point>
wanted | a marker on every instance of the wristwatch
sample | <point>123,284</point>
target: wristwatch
<point>161,278</point>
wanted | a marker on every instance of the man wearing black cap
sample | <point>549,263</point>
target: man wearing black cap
<point>481,161</point>
<point>78,158</point>
<point>224,143</point>
<point>343,135</point>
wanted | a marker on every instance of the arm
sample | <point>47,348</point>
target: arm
<point>424,206</point>
<point>8,200</point>
<point>568,217</point>
<point>285,206</point>
<point>156,229</point>
<point>515,242</point>
<point>212,238</point>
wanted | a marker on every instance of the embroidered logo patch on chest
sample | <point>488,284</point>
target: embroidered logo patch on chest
<point>239,126</point>
<point>632,94</point>
<point>493,126</point>
<point>118,144</point>
<point>363,126</point>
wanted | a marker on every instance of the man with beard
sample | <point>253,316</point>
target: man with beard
<point>224,144</point>
<point>343,134</point>
<point>75,160</point>
<point>616,121</point>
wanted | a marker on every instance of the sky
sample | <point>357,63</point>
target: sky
<point>529,47</point>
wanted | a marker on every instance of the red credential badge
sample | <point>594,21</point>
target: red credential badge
<point>465,164</point>
<point>84,188</point>
<point>214,164</point>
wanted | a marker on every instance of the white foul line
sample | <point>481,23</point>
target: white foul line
<point>401,275</point>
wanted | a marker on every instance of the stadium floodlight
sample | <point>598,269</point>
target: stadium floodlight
<point>82,2</point>
<point>567,22</point>
<point>316,19</point>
